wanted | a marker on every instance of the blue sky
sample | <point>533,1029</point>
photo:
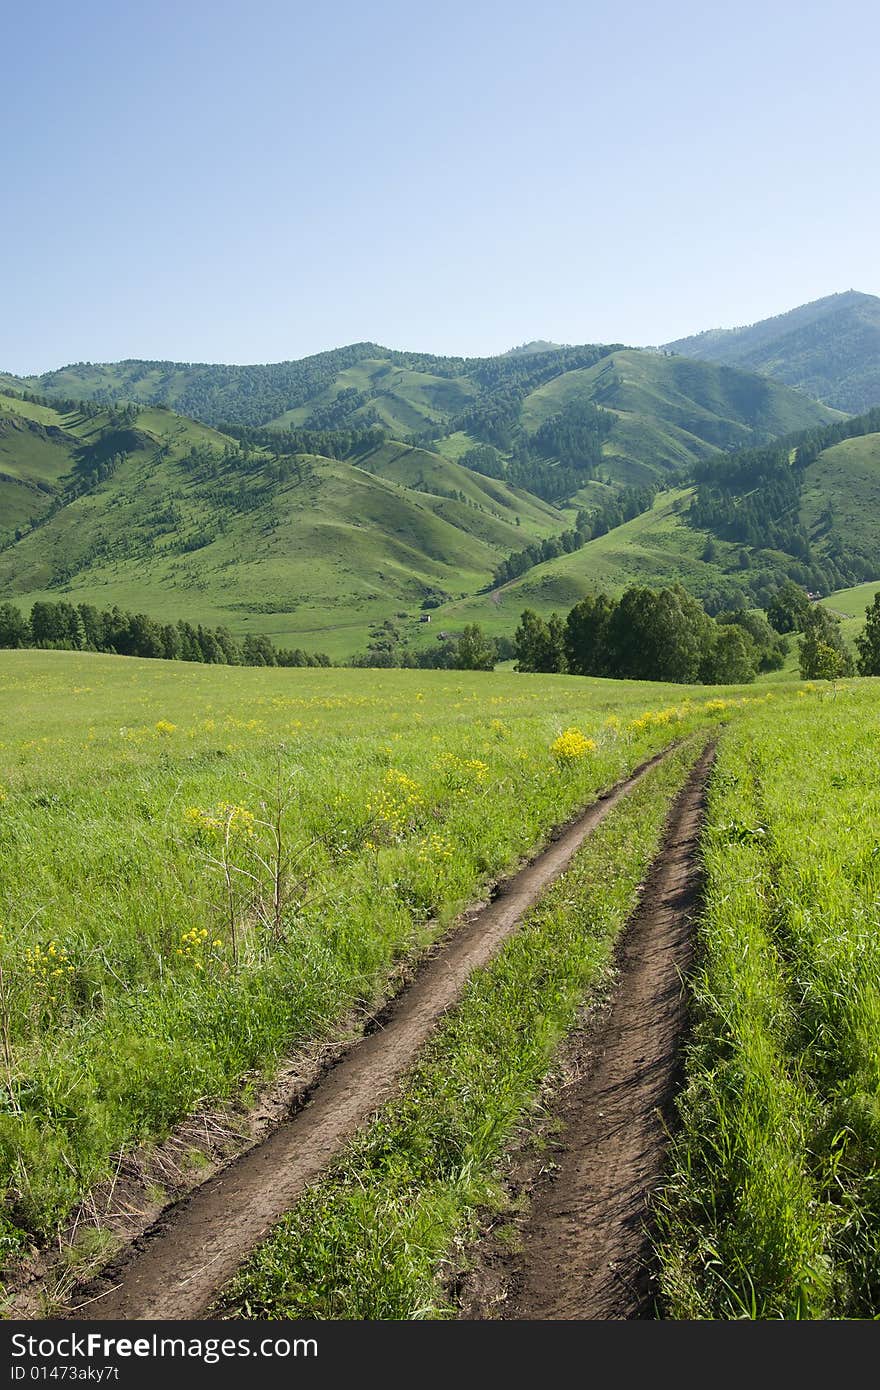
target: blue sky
<point>254,182</point>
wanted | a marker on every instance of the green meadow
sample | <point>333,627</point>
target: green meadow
<point>203,869</point>
<point>772,1204</point>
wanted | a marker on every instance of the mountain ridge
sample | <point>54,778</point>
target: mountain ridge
<point>829,348</point>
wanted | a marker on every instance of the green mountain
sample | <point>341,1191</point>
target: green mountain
<point>830,349</point>
<point>807,508</point>
<point>321,527</point>
<point>669,413</point>
<point>548,420</point>
<point>158,513</point>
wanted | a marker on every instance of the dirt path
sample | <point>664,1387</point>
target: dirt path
<point>176,1268</point>
<point>584,1250</point>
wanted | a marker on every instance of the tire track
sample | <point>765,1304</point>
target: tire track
<point>174,1270</point>
<point>586,1242</point>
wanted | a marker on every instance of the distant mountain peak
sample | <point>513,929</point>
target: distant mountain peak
<point>535,346</point>
<point>829,348</point>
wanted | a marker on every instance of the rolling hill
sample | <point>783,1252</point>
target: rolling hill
<point>175,519</point>
<point>830,349</point>
<point>668,412</point>
<point>321,528</point>
<point>703,538</point>
<point>652,416</point>
<point>656,548</point>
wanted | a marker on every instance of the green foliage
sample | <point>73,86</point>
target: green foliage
<point>646,635</point>
<point>540,645</point>
<point>66,627</point>
<point>789,608</point>
<point>770,646</point>
<point>475,652</point>
<point>822,654</point>
<point>731,658</point>
<point>867,643</point>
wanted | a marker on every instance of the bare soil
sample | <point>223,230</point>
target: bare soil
<point>175,1268</point>
<point>582,1248</point>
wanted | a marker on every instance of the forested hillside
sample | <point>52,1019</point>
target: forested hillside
<point>830,349</point>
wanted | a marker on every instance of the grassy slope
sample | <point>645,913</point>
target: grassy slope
<point>654,548</point>
<point>311,562</point>
<point>672,411</point>
<point>37,447</point>
<point>830,349</point>
<point>430,472</point>
<point>846,479</point>
<point>853,602</point>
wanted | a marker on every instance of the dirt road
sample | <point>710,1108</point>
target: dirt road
<point>177,1267</point>
<point>584,1249</point>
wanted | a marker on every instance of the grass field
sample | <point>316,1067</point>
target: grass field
<point>203,868</point>
<point>379,1235</point>
<point>853,602</point>
<point>772,1208</point>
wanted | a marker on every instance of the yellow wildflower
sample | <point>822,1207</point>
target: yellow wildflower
<point>571,745</point>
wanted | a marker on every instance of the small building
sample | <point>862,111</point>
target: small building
<point>425,618</point>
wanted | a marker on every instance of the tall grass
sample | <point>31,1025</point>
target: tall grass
<point>377,1236</point>
<point>203,869</point>
<point>772,1209</point>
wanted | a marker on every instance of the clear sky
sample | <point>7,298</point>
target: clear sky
<point>213,180</point>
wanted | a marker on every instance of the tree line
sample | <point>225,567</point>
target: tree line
<point>82,627</point>
<point>649,634</point>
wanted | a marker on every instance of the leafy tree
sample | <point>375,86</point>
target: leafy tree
<point>867,643</point>
<point>658,635</point>
<point>14,628</point>
<point>770,647</point>
<point>586,629</point>
<point>731,658</point>
<point>554,652</point>
<point>540,646</point>
<point>788,610</point>
<point>258,650</point>
<point>645,635</point>
<point>475,651</point>
<point>821,651</point>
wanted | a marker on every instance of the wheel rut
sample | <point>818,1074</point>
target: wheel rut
<point>176,1268</point>
<point>584,1248</point>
